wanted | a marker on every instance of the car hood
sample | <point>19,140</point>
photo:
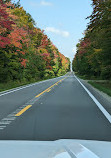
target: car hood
<point>55,149</point>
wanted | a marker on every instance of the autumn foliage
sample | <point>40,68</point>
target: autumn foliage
<point>26,53</point>
<point>93,57</point>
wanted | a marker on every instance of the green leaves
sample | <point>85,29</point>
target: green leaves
<point>94,59</point>
<point>26,53</point>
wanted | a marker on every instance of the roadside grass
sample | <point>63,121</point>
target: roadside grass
<point>82,76</point>
<point>102,86</point>
<point>85,77</point>
<point>14,84</point>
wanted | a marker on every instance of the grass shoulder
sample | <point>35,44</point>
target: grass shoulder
<point>14,84</point>
<point>102,86</point>
<point>86,77</point>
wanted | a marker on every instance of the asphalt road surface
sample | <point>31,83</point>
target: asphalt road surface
<point>55,109</point>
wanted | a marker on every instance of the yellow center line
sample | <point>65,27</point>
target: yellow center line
<point>23,110</point>
<point>44,91</point>
<point>49,88</point>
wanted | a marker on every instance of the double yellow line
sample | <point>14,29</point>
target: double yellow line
<point>23,110</point>
<point>47,90</point>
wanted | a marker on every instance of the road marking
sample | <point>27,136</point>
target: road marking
<point>15,112</point>
<point>49,90</point>
<point>5,122</point>
<point>2,126</point>
<point>22,87</point>
<point>39,94</point>
<point>106,114</point>
<point>9,119</point>
<point>23,110</point>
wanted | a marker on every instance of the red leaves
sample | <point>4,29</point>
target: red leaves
<point>5,21</point>
<point>4,41</point>
<point>45,55</point>
<point>18,34</point>
<point>23,62</point>
<point>3,13</point>
<point>49,67</point>
<point>84,44</point>
<point>17,37</point>
<point>44,41</point>
<point>5,25</point>
<point>55,55</point>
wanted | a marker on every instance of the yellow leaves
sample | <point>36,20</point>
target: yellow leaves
<point>97,50</point>
<point>42,50</point>
<point>19,15</point>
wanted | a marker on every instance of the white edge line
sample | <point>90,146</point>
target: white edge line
<point>5,123</point>
<point>2,126</point>
<point>106,114</point>
<point>8,119</point>
<point>10,91</point>
<point>31,84</point>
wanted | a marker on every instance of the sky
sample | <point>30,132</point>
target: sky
<point>64,21</point>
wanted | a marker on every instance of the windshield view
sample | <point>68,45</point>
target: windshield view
<point>55,73</point>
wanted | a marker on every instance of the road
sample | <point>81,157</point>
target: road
<point>55,109</point>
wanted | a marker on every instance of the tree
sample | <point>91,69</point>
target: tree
<point>95,60</point>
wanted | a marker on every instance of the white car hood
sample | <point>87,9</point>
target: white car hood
<point>55,149</point>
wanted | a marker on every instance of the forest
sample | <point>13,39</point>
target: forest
<point>26,52</point>
<point>93,56</point>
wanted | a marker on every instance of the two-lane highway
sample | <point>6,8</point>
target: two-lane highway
<point>55,109</point>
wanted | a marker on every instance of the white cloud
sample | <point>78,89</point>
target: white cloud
<point>57,31</point>
<point>44,3</point>
<point>41,3</point>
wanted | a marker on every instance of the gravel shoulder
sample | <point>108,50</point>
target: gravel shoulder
<point>102,97</point>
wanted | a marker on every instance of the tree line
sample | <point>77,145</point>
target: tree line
<point>26,53</point>
<point>93,57</point>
